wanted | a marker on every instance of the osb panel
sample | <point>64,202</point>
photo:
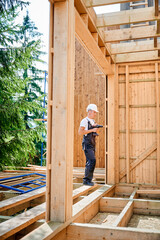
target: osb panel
<point>142,122</point>
<point>89,88</point>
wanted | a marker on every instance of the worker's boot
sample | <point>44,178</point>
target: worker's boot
<point>88,183</point>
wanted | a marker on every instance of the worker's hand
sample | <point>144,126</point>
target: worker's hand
<point>94,129</point>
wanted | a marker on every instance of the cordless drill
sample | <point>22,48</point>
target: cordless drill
<point>96,126</point>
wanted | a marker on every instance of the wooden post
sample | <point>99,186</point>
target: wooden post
<point>117,172</point>
<point>60,132</point>
<point>49,112</point>
<point>111,130</point>
<point>157,123</point>
<point>127,126</point>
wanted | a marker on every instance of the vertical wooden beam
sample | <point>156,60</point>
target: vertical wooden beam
<point>117,171</point>
<point>60,203</point>
<point>49,112</point>
<point>106,128</point>
<point>127,126</point>
<point>157,123</point>
<point>156,6</point>
<point>111,130</point>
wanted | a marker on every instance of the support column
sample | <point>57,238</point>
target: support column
<point>61,124</point>
<point>111,130</point>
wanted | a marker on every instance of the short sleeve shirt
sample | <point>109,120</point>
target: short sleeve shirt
<point>84,122</point>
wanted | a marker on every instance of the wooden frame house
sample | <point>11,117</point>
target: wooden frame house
<point>130,72</point>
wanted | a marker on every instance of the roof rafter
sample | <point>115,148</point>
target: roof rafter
<point>96,3</point>
<point>136,57</point>
<point>127,17</point>
<point>131,33</point>
<point>131,47</point>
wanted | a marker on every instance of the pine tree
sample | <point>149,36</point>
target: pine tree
<point>33,76</point>
<point>17,142</point>
<point>10,4</point>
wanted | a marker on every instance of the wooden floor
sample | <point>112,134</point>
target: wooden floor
<point>98,211</point>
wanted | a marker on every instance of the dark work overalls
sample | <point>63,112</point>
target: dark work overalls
<point>88,145</point>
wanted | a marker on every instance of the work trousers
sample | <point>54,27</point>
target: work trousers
<point>90,164</point>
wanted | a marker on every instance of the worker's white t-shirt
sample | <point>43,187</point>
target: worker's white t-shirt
<point>84,122</point>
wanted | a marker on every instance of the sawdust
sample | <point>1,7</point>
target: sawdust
<point>141,221</point>
<point>103,218</point>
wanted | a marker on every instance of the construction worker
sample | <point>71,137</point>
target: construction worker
<point>88,144</point>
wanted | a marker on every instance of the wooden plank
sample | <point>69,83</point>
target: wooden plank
<point>139,159</point>
<point>110,204</point>
<point>157,123</point>
<point>87,40</point>
<point>15,224</point>
<point>63,112</point>
<point>81,231</point>
<point>156,5</point>
<point>49,112</point>
<point>96,3</point>
<point>15,201</point>
<point>130,33</point>
<point>127,17</point>
<point>137,57</point>
<point>127,126</point>
<point>148,191</point>
<point>111,130</point>
<point>82,190</point>
<point>85,203</point>
<point>124,217</point>
<point>117,167</point>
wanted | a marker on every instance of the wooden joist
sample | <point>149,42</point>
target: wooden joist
<point>15,224</point>
<point>97,3</point>
<point>127,17</point>
<point>148,191</point>
<point>89,43</point>
<point>124,216</point>
<point>131,33</point>
<point>21,199</point>
<point>50,229</point>
<point>81,231</point>
<point>131,47</point>
<point>137,57</point>
<point>25,219</point>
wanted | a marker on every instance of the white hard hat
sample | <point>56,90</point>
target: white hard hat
<point>92,107</point>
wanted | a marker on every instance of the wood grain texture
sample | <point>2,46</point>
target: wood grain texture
<point>89,88</point>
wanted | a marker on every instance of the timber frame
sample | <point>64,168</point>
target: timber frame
<point>76,18</point>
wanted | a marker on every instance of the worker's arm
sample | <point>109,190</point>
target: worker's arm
<point>82,130</point>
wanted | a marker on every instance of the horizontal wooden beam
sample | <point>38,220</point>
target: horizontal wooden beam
<point>149,192</point>
<point>96,3</point>
<point>131,47</point>
<point>87,40</point>
<point>127,17</point>
<point>131,33</point>
<point>137,57</point>
<point>113,205</point>
<point>85,231</point>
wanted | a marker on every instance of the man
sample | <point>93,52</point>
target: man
<point>89,133</point>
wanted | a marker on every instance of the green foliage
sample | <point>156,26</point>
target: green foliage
<point>10,4</point>
<point>20,93</point>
